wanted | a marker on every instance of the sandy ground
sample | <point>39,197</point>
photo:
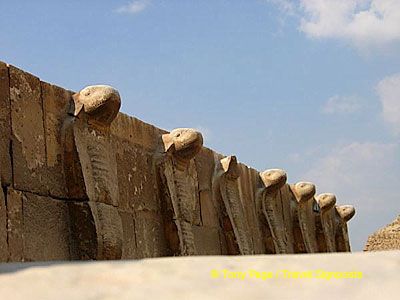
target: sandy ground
<point>317,276</point>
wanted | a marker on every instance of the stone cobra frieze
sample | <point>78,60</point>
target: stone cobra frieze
<point>88,141</point>
<point>344,214</point>
<point>82,181</point>
<point>177,168</point>
<point>304,194</point>
<point>327,203</point>
<point>274,209</point>
<point>226,191</point>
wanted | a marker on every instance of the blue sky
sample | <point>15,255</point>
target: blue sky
<point>310,86</point>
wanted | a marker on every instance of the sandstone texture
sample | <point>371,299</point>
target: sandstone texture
<point>203,278</point>
<point>82,181</point>
<point>387,238</point>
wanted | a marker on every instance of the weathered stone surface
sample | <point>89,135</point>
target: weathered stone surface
<point>136,190</point>
<point>15,225</point>
<point>179,183</point>
<point>386,238</point>
<point>95,109</point>
<point>190,278</point>
<point>289,213</point>
<point>207,240</point>
<point>3,227</point>
<point>5,126</point>
<point>269,193</point>
<point>129,249</point>
<point>247,188</point>
<point>342,215</point>
<point>57,102</point>
<point>137,132</point>
<point>326,203</point>
<point>304,193</point>
<point>28,140</point>
<point>136,177</point>
<point>208,209</point>
<point>226,192</point>
<point>205,165</point>
<point>96,230</point>
<point>46,228</point>
<point>150,239</point>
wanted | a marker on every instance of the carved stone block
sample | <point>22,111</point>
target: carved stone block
<point>15,223</point>
<point>5,126</point>
<point>28,137</point>
<point>57,103</point>
<point>136,178</point>
<point>3,228</point>
<point>207,240</point>
<point>129,249</point>
<point>326,203</point>
<point>248,181</point>
<point>344,214</point>
<point>96,231</point>
<point>227,193</point>
<point>272,206</point>
<point>150,239</point>
<point>180,184</point>
<point>46,226</point>
<point>304,193</point>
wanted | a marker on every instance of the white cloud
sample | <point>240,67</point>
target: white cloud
<point>365,175</point>
<point>362,22</point>
<point>389,94</point>
<point>133,7</point>
<point>341,105</point>
<point>287,6</point>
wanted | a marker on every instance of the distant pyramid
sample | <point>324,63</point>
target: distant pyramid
<point>387,238</point>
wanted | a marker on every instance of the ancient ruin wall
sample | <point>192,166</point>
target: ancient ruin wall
<point>54,171</point>
<point>386,238</point>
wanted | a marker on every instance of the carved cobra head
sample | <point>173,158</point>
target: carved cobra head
<point>303,191</point>
<point>273,179</point>
<point>183,142</point>
<point>346,212</point>
<point>100,102</point>
<point>230,166</point>
<point>326,201</point>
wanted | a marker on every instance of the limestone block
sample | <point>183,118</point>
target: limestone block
<point>208,209</point>
<point>15,225</point>
<point>129,250</point>
<point>57,102</point>
<point>46,228</point>
<point>96,230</point>
<point>3,228</point>
<point>136,178</point>
<point>205,166</point>
<point>5,126</point>
<point>137,132</point>
<point>28,137</point>
<point>150,239</point>
<point>207,240</point>
<point>291,230</point>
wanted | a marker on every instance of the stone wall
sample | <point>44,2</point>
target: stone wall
<point>386,238</point>
<point>48,210</point>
